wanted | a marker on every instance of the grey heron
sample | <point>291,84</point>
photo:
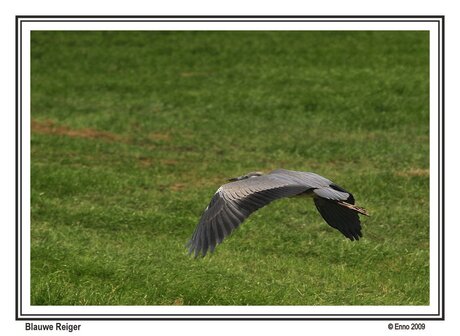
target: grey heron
<point>235,201</point>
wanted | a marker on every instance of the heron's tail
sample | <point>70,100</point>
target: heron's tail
<point>354,207</point>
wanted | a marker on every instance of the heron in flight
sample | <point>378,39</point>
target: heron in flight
<point>235,201</point>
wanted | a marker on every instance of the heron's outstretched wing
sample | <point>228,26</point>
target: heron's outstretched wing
<point>338,216</point>
<point>233,203</point>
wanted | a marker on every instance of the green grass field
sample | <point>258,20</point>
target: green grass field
<point>133,132</point>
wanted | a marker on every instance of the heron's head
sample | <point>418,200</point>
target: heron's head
<point>244,177</point>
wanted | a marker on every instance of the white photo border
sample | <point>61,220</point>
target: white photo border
<point>433,24</point>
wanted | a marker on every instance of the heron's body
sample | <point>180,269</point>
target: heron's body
<point>234,202</point>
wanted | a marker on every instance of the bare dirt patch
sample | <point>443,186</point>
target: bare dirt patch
<point>169,162</point>
<point>414,172</point>
<point>148,162</point>
<point>177,186</point>
<point>194,74</point>
<point>159,136</point>
<point>178,302</point>
<point>50,127</point>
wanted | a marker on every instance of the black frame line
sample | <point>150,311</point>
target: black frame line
<point>440,19</point>
<point>231,16</point>
<point>204,20</point>
<point>16,174</point>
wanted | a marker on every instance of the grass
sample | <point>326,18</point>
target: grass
<point>132,133</point>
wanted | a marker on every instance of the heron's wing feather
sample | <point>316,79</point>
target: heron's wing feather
<point>332,194</point>
<point>232,204</point>
<point>339,217</point>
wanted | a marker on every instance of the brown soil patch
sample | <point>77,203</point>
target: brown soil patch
<point>178,302</point>
<point>145,162</point>
<point>159,136</point>
<point>50,127</point>
<point>177,186</point>
<point>148,162</point>
<point>169,162</point>
<point>414,172</point>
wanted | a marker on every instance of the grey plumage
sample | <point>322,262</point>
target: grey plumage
<point>235,201</point>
